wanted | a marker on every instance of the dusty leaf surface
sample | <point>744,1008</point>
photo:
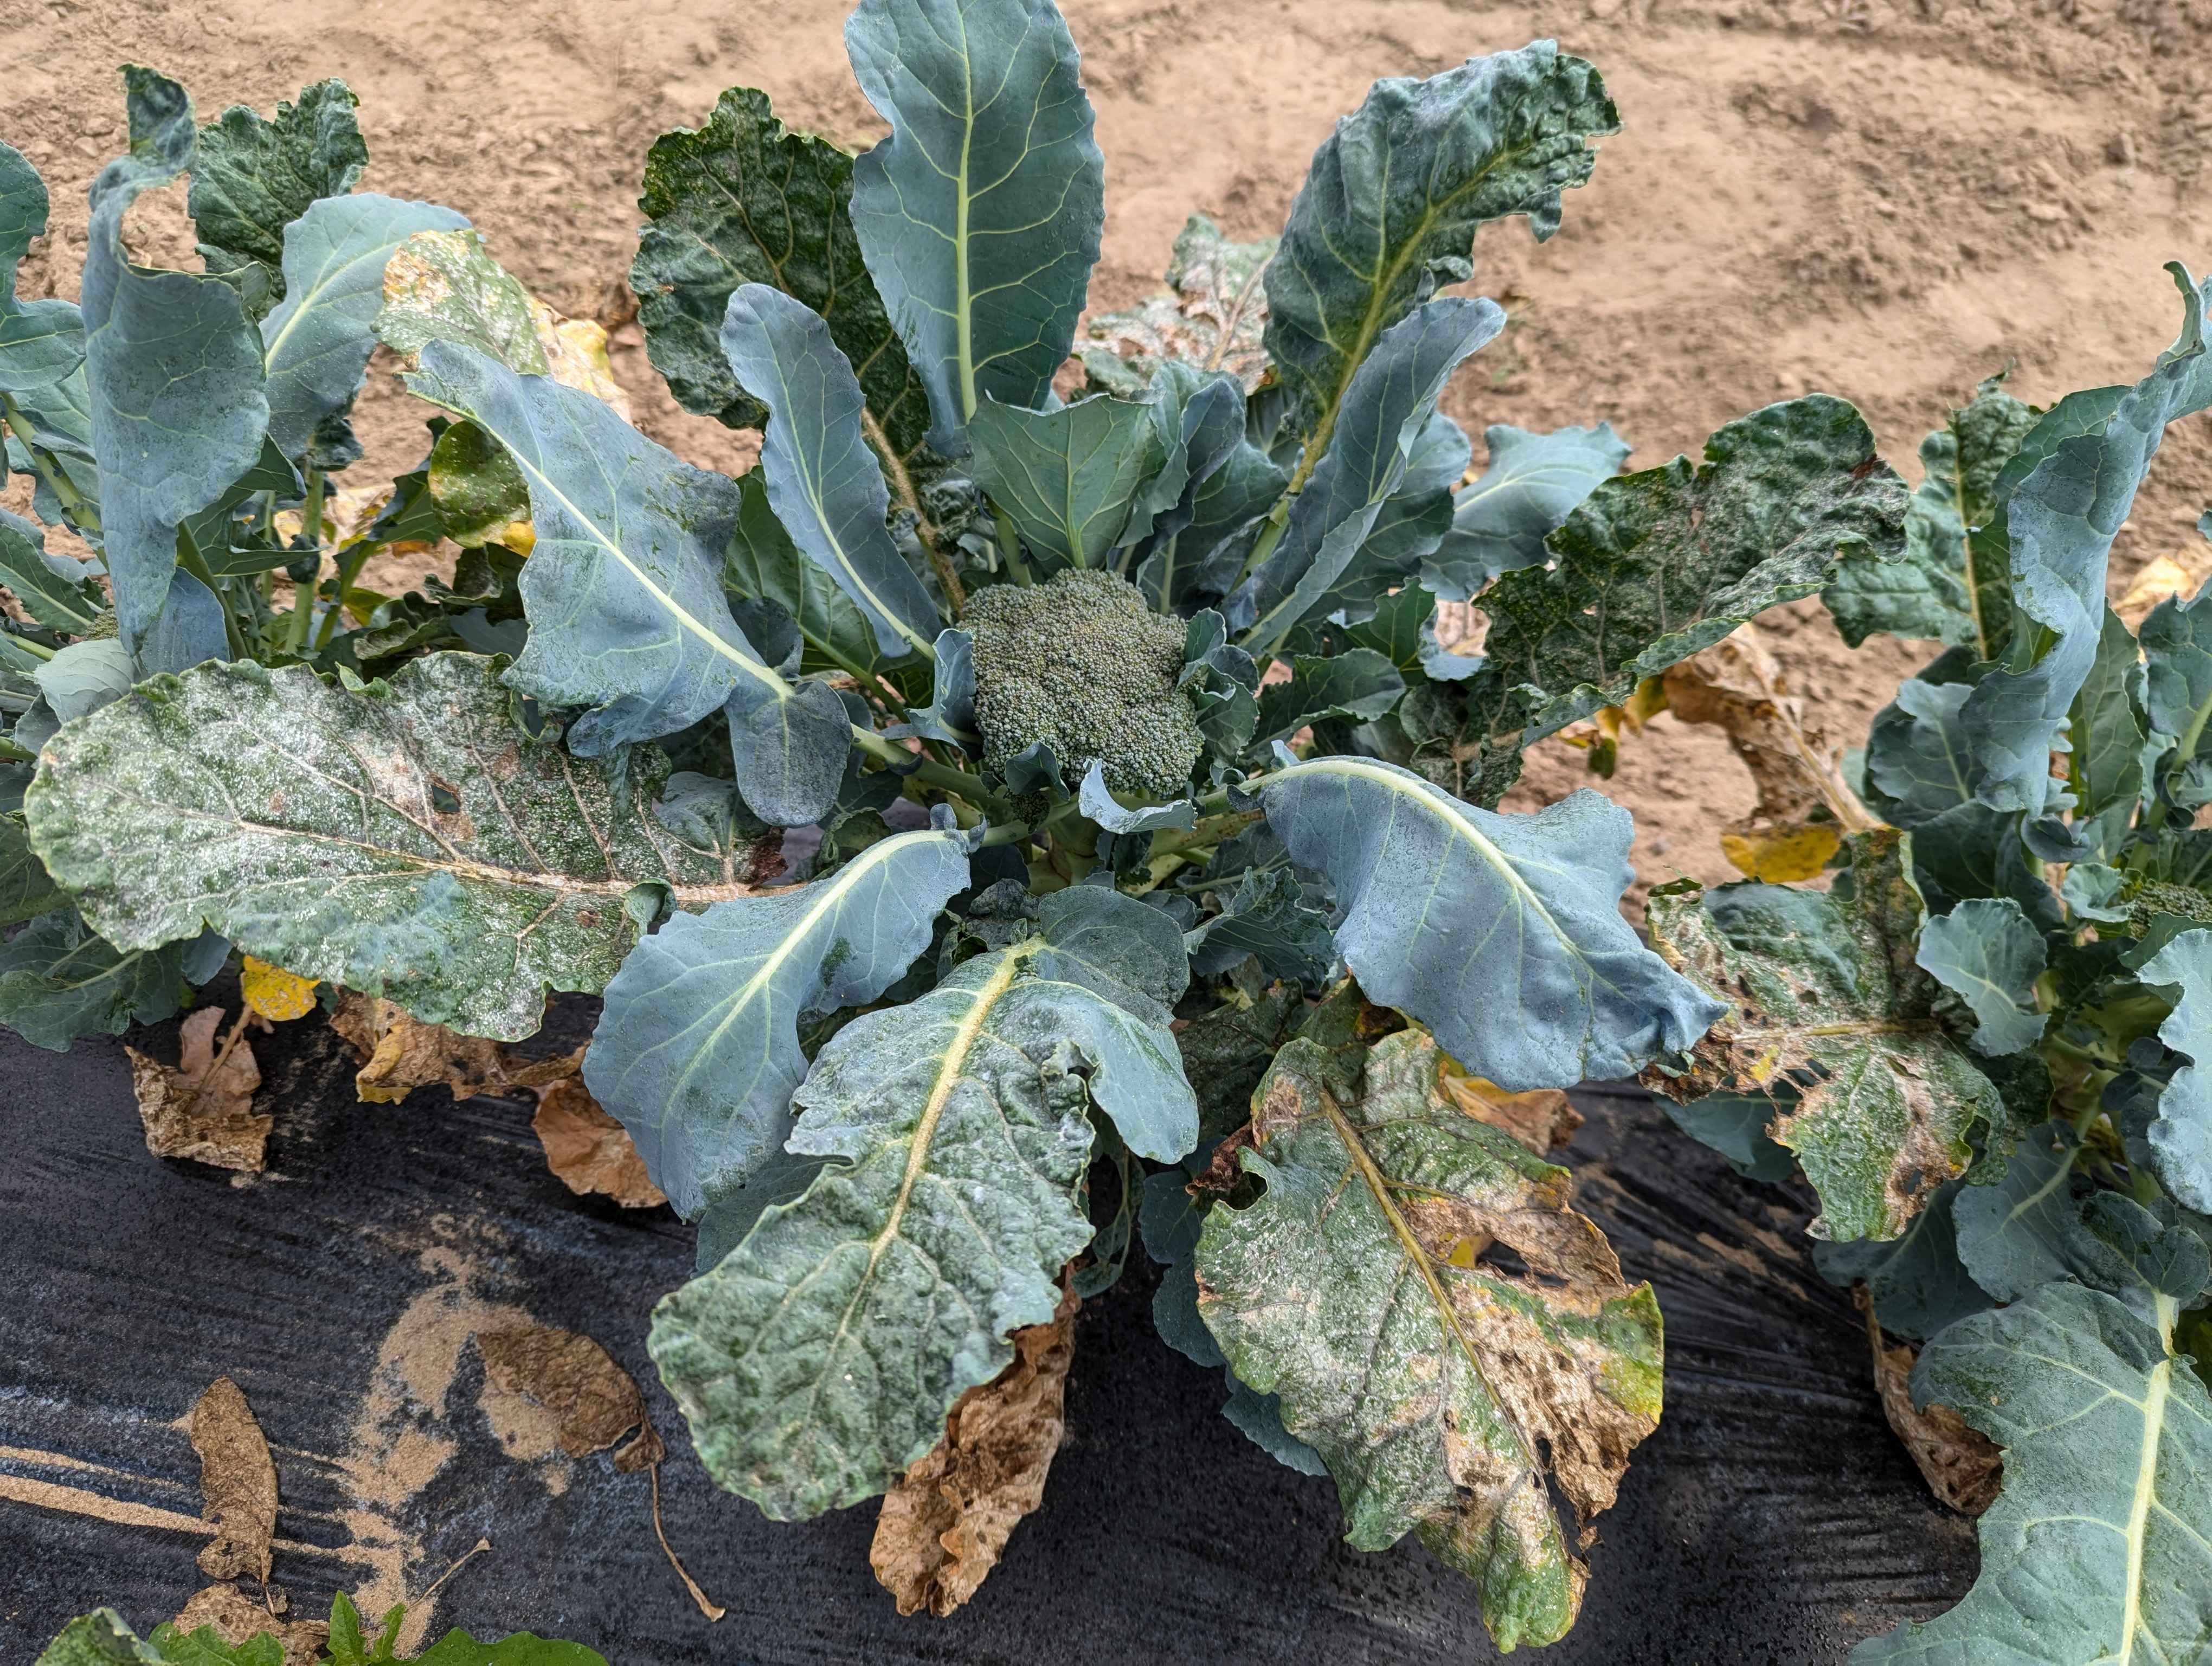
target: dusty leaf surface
<point>946,1523</point>
<point>238,1483</point>
<point>191,1110</point>
<point>1446,1396</point>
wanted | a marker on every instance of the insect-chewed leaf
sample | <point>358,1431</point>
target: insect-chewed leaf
<point>1658,565</point>
<point>983,263</point>
<point>405,839</point>
<point>1375,425</point>
<point>1533,484</point>
<point>1390,205</point>
<point>1502,933</point>
<point>826,484</point>
<point>1438,1390</point>
<point>1949,584</point>
<point>317,342</point>
<point>2181,1137</point>
<point>742,200</point>
<point>252,179</point>
<point>697,1051</point>
<point>623,589</point>
<point>1826,988</point>
<point>2095,1551</point>
<point>1067,478</point>
<point>818,1360</point>
<point>2063,498</point>
<point>172,369</point>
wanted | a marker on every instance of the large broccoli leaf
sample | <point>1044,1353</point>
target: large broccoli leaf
<point>60,980</point>
<point>623,589</point>
<point>316,343</point>
<point>1949,584</point>
<point>818,1359</point>
<point>1443,1393</point>
<point>251,178</point>
<point>739,201</point>
<point>1376,425</point>
<point>2030,1227</point>
<point>1988,953</point>
<point>24,209</point>
<point>2059,518</point>
<point>1390,205</point>
<point>406,839</point>
<point>762,564</point>
<point>172,369</point>
<point>697,1050</point>
<point>1656,566</point>
<point>1533,484</point>
<point>1068,479</point>
<point>2095,1550</point>
<point>1823,992</point>
<point>826,484</point>
<point>979,215</point>
<point>2181,1137</point>
<point>1502,933</point>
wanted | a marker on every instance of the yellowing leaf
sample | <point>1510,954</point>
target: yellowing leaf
<point>274,993</point>
<point>1781,855</point>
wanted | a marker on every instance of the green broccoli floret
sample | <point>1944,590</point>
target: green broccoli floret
<point>1082,663</point>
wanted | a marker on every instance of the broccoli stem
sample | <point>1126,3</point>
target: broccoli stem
<point>1010,547</point>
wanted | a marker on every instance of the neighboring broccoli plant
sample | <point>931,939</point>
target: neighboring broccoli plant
<point>1985,1042</point>
<point>189,430</point>
<point>1157,845</point>
<point>101,1639</point>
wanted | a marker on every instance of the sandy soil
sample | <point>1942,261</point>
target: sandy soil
<point>1884,199</point>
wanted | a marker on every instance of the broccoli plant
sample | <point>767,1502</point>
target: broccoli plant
<point>1983,1042</point>
<point>1154,890</point>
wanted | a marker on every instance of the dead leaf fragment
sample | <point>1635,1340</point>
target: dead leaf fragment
<point>1962,1466</point>
<point>589,1149</point>
<point>2174,577</point>
<point>238,1619</point>
<point>946,1523</point>
<point>1541,1119</point>
<point>1805,806</point>
<point>238,1483</point>
<point>570,1374</point>
<point>202,1108</point>
<point>398,1054</point>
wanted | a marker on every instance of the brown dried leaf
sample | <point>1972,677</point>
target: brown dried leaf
<point>589,1149</point>
<point>944,1524</point>
<point>2174,577</point>
<point>398,1054</point>
<point>237,1618</point>
<point>238,1483</point>
<point>188,1115</point>
<point>1540,1119</point>
<point>572,1375</point>
<point>1962,1466</point>
<point>1805,806</point>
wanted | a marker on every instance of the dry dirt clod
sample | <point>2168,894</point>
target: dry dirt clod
<point>399,1054</point>
<point>946,1523</point>
<point>589,1149</point>
<point>238,1483</point>
<point>202,1108</point>
<point>237,1618</point>
<point>1962,1466</point>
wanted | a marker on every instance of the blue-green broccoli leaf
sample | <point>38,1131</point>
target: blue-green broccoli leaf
<point>1068,479</point>
<point>1359,684</point>
<point>1533,484</point>
<point>1734,1125</point>
<point>54,590</point>
<point>697,1049</point>
<point>1390,206</point>
<point>1502,933</point>
<point>173,370</point>
<point>980,216</point>
<point>762,564</point>
<point>825,483</point>
<point>2181,1138</point>
<point>1988,953</point>
<point>2060,517</point>
<point>1918,1280</point>
<point>1266,916</point>
<point>2095,1551</point>
<point>59,980</point>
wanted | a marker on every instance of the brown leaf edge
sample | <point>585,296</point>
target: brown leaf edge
<point>944,1523</point>
<point>1962,1466</point>
<point>398,1054</point>
<point>589,1149</point>
<point>598,1402</point>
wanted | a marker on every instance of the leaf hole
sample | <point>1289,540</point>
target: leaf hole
<point>445,799</point>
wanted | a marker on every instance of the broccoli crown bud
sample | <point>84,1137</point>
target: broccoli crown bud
<point>1082,663</point>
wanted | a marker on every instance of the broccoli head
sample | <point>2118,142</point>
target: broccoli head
<point>1082,663</point>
